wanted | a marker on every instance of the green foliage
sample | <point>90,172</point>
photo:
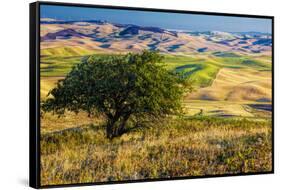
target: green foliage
<point>120,88</point>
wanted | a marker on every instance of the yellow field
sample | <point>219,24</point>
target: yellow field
<point>237,85</point>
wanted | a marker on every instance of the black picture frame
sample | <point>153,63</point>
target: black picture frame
<point>34,91</point>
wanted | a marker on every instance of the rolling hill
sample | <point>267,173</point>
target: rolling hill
<point>222,66</point>
<point>112,37</point>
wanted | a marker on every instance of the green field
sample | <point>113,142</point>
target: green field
<point>225,127</point>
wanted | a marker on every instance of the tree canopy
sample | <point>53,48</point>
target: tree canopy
<point>119,87</point>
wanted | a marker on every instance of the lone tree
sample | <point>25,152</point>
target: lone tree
<point>119,87</point>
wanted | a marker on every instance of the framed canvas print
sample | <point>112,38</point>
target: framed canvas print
<point>121,94</point>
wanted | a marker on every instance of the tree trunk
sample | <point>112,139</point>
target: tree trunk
<point>121,129</point>
<point>109,127</point>
<point>116,128</point>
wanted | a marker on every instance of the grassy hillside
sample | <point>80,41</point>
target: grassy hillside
<point>52,66</point>
<point>174,147</point>
<point>65,51</point>
<point>237,85</point>
<point>244,62</point>
<point>215,76</point>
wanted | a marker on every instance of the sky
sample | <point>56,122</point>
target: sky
<point>178,21</point>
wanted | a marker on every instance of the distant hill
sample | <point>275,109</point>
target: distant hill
<point>135,30</point>
<point>114,37</point>
<point>63,34</point>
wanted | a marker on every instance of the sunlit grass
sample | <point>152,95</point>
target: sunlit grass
<point>176,147</point>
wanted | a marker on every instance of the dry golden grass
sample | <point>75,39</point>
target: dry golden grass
<point>176,147</point>
<point>52,123</point>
